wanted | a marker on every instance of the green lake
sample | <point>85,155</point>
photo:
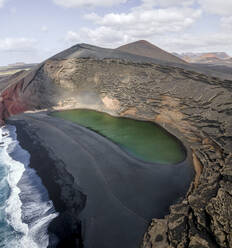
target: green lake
<point>145,140</point>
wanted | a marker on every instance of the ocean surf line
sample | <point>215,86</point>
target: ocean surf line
<point>145,140</point>
<point>25,208</point>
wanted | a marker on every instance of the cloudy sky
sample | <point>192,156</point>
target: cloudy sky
<point>31,31</point>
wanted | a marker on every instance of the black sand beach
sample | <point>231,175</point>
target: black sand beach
<point>106,198</point>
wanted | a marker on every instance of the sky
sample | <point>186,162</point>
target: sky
<point>32,31</point>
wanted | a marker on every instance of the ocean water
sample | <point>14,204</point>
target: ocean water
<point>25,208</point>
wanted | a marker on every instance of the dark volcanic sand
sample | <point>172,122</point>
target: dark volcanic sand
<point>106,198</point>
<point>65,226</point>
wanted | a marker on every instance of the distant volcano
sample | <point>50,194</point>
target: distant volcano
<point>145,48</point>
<point>213,58</point>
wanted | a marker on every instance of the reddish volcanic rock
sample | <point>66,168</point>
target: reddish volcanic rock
<point>11,102</point>
<point>15,98</point>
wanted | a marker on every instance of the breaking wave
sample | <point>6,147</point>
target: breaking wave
<point>25,208</point>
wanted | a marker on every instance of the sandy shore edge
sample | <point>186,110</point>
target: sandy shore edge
<point>57,181</point>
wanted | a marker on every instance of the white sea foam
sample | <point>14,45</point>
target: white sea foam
<point>28,208</point>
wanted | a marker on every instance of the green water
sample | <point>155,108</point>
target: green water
<point>145,140</point>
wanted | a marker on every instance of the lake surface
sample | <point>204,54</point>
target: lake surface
<point>144,140</point>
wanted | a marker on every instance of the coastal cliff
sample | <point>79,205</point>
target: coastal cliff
<point>193,106</point>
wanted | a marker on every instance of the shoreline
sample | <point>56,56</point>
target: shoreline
<point>39,155</point>
<point>62,186</point>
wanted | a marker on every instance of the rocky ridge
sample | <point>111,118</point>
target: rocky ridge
<point>193,106</point>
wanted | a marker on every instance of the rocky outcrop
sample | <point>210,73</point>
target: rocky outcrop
<point>203,219</point>
<point>193,106</point>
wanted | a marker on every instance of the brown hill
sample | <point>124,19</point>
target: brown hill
<point>218,55</point>
<point>145,48</point>
<point>215,58</point>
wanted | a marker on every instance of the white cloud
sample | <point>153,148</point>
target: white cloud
<point>2,2</point>
<point>78,3</point>
<point>217,42</point>
<point>13,10</point>
<point>138,24</point>
<point>226,23</point>
<point>23,49</point>
<point>17,44</point>
<point>44,28</point>
<point>102,36</point>
<point>167,3</point>
<point>219,7</point>
<point>73,37</point>
<point>155,20</point>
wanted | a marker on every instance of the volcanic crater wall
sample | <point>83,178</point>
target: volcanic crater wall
<point>194,107</point>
